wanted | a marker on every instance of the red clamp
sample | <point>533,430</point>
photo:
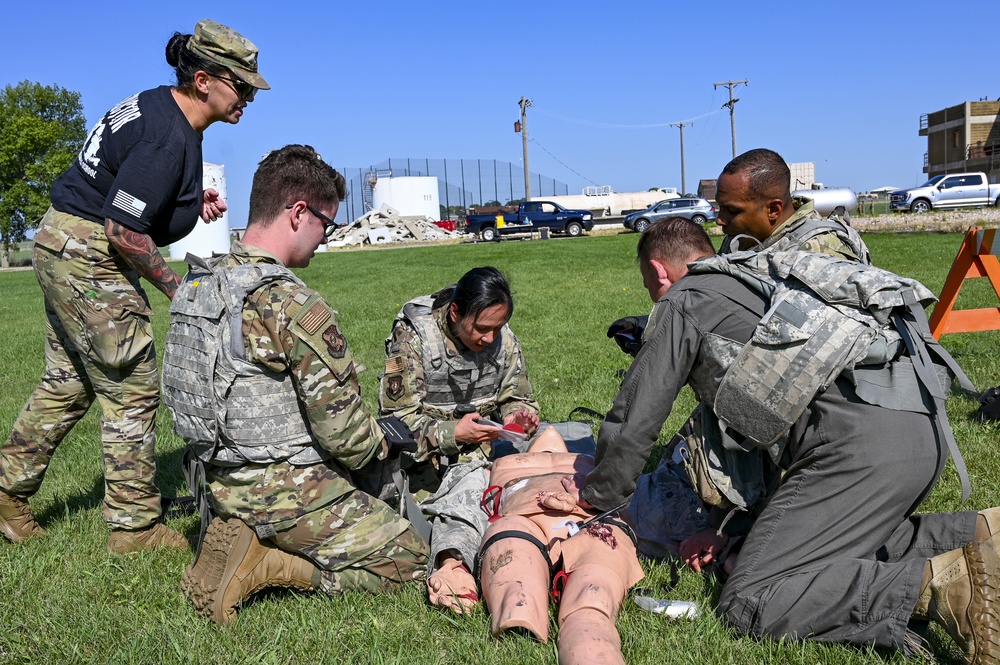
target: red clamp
<point>559,585</point>
<point>490,502</point>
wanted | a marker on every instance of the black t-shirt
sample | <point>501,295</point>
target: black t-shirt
<point>141,166</point>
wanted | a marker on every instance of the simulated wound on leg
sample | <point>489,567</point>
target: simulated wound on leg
<point>535,545</point>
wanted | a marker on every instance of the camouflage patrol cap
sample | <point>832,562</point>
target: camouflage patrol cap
<point>228,48</point>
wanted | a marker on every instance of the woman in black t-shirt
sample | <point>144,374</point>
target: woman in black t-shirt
<point>135,186</point>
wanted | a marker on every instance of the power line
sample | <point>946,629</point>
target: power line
<point>535,141</point>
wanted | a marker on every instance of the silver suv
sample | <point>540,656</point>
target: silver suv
<point>697,210</point>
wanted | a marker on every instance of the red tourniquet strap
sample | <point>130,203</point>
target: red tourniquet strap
<point>491,502</point>
<point>558,584</point>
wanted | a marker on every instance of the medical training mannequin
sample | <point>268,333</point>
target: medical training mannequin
<point>534,533</point>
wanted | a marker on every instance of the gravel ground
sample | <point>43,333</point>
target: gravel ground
<point>935,221</point>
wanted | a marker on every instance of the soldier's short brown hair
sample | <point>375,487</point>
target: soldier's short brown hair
<point>674,240</point>
<point>290,174</point>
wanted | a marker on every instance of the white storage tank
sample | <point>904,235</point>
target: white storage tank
<point>827,200</point>
<point>410,195</point>
<point>206,238</point>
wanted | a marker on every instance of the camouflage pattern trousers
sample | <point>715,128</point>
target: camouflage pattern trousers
<point>98,345</point>
<point>359,543</point>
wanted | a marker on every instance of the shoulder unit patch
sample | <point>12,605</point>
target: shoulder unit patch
<point>394,386</point>
<point>335,342</point>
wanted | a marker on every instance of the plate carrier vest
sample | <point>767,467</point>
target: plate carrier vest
<point>229,410</point>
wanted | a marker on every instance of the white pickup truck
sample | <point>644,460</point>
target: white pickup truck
<point>952,190</point>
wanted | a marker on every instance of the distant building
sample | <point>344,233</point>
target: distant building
<point>707,188</point>
<point>960,138</point>
<point>803,175</point>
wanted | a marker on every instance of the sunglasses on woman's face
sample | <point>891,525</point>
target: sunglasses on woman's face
<point>243,89</point>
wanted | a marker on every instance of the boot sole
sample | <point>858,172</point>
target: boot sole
<point>205,581</point>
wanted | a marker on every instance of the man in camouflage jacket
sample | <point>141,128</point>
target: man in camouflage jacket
<point>756,208</point>
<point>280,461</point>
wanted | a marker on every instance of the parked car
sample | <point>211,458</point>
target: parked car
<point>954,190</point>
<point>697,210</point>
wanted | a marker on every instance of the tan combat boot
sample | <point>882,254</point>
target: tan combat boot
<point>988,528</point>
<point>16,520</point>
<point>962,595</point>
<point>152,538</point>
<point>234,564</point>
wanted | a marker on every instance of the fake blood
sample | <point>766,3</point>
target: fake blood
<point>603,533</point>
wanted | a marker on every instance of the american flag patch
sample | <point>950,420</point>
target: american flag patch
<point>125,201</point>
<point>317,315</point>
<point>393,364</point>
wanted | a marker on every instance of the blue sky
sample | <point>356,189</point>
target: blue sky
<point>842,87</point>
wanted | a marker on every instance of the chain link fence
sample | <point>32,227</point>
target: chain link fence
<point>461,183</point>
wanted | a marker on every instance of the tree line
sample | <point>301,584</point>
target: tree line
<point>42,129</point>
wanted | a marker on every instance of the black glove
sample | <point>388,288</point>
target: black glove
<point>397,435</point>
<point>990,405</point>
<point>627,333</point>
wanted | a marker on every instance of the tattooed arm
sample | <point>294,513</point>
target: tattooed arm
<point>140,252</point>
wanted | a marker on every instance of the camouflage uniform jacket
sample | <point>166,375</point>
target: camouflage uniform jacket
<point>808,231</point>
<point>289,328</point>
<point>494,381</point>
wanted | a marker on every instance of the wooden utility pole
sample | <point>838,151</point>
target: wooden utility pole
<point>524,104</point>
<point>681,125</point>
<point>732,106</point>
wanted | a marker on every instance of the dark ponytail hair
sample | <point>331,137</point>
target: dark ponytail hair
<point>479,289</point>
<point>186,63</point>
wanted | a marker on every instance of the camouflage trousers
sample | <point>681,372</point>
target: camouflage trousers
<point>98,345</point>
<point>359,543</point>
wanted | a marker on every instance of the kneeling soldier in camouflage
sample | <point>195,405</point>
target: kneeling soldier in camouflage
<point>264,390</point>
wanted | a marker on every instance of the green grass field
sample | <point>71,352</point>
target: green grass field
<point>65,599</point>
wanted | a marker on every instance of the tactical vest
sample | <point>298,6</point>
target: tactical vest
<point>826,317</point>
<point>807,227</point>
<point>467,378</point>
<point>229,411</point>
<point>812,225</point>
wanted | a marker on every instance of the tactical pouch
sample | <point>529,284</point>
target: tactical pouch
<point>689,443</point>
<point>799,347</point>
<point>398,435</point>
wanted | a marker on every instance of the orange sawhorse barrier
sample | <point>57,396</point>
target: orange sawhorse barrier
<point>976,258</point>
